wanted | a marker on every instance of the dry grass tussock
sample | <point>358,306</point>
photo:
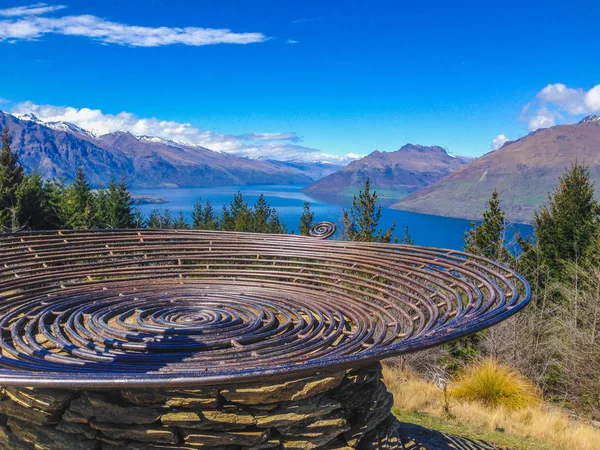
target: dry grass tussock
<point>535,420</point>
<point>495,385</point>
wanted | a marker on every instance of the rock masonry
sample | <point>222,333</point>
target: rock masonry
<point>340,411</point>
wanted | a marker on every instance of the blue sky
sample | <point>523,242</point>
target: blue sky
<point>304,79</point>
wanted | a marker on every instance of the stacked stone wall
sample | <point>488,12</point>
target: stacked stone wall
<point>343,410</point>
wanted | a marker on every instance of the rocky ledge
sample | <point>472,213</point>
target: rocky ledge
<point>341,411</point>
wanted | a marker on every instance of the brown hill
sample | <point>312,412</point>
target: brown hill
<point>392,174</point>
<point>523,172</point>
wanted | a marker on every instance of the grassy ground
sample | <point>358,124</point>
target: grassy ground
<point>537,427</point>
<point>438,433</point>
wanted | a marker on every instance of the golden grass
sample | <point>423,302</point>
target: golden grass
<point>537,421</point>
<point>493,384</point>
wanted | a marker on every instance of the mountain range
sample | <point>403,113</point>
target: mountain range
<point>57,149</point>
<point>424,179</point>
<point>523,171</point>
<point>392,174</point>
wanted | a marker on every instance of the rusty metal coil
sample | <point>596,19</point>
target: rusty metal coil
<point>143,308</point>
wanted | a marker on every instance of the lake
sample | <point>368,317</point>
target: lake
<point>425,229</point>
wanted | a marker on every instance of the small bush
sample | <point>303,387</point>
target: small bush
<point>493,385</point>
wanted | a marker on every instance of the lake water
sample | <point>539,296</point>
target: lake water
<point>425,229</point>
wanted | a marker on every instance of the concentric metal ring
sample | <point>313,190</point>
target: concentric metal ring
<point>189,308</point>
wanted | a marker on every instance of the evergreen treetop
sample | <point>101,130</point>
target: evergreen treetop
<point>361,222</point>
<point>407,238</point>
<point>487,239</point>
<point>306,220</point>
<point>568,227</point>
<point>78,206</point>
<point>120,212</point>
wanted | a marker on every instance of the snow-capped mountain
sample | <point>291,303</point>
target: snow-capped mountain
<point>58,126</point>
<point>590,119</point>
<point>56,149</point>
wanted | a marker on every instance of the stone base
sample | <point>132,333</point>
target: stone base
<point>334,411</point>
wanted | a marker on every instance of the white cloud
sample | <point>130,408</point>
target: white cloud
<point>266,145</point>
<point>592,99</point>
<point>36,9</point>
<point>270,137</point>
<point>291,41</point>
<point>543,119</point>
<point>558,102</point>
<point>571,100</point>
<point>499,141</point>
<point>25,24</point>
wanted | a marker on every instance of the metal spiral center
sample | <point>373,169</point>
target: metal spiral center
<point>323,230</point>
<point>187,308</point>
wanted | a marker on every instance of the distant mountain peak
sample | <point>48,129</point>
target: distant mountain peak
<point>400,172</point>
<point>28,116</point>
<point>122,133</point>
<point>423,148</point>
<point>522,171</point>
<point>58,126</point>
<point>590,119</point>
<point>69,127</point>
<point>154,139</point>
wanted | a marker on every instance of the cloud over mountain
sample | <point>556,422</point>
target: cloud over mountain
<point>24,22</point>
<point>271,137</point>
<point>557,102</point>
<point>499,141</point>
<point>278,146</point>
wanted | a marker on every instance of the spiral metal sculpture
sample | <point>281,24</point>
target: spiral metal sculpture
<point>323,230</point>
<point>104,308</point>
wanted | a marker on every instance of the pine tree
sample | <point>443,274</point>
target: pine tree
<point>238,205</point>
<point>11,177</point>
<point>120,212</point>
<point>204,216</point>
<point>407,239</point>
<point>211,220</point>
<point>227,222</point>
<point>487,238</point>
<point>241,214</point>
<point>275,225</point>
<point>139,221</point>
<point>244,221</point>
<point>154,219</point>
<point>78,203</point>
<point>54,191</point>
<point>568,227</point>
<point>306,220</point>
<point>261,216</point>
<point>29,201</point>
<point>361,222</point>
<point>36,209</point>
<point>160,219</point>
<point>198,216</point>
<point>180,223</point>
<point>101,209</point>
